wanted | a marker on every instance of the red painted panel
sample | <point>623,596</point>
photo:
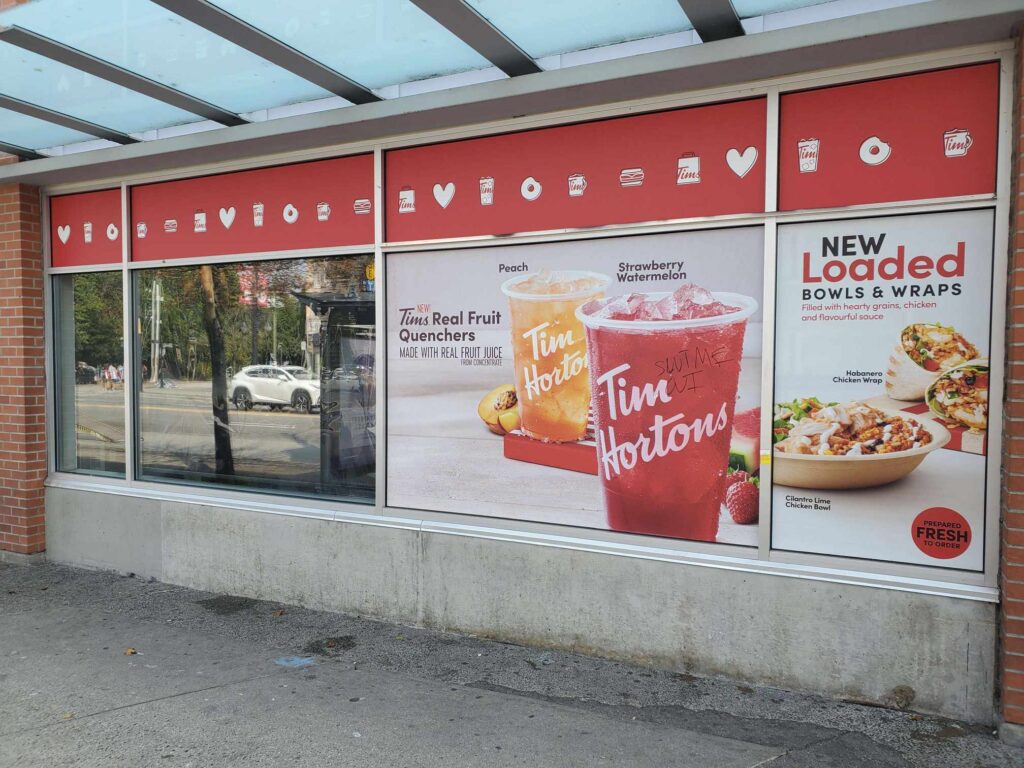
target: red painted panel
<point>290,207</point>
<point>699,161</point>
<point>903,138</point>
<point>85,229</point>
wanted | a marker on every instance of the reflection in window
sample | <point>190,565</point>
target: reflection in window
<point>89,373</point>
<point>259,374</point>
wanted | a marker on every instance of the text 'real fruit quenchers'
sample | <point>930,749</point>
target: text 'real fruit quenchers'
<point>664,371</point>
<point>549,351</point>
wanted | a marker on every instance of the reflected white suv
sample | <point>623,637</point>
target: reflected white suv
<point>276,386</point>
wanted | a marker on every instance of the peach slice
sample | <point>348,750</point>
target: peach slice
<point>499,409</point>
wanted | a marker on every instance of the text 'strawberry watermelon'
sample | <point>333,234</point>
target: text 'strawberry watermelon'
<point>745,446</point>
<point>742,502</point>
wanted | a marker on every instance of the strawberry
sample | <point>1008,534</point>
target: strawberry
<point>741,499</point>
<point>735,476</point>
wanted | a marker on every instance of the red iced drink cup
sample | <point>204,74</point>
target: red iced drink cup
<point>663,371</point>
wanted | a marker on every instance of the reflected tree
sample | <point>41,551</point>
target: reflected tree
<point>215,337</point>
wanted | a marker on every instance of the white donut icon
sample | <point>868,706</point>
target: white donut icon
<point>290,213</point>
<point>530,189</point>
<point>874,151</point>
<point>111,232</point>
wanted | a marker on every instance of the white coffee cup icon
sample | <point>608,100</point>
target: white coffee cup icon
<point>956,142</point>
<point>87,231</point>
<point>807,150</point>
<point>141,230</point>
<point>874,151</point>
<point>577,185</point>
<point>257,214</point>
<point>406,200</point>
<point>487,190</point>
<point>323,211</point>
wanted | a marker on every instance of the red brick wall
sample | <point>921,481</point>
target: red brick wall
<point>22,376</point>
<point>1012,529</point>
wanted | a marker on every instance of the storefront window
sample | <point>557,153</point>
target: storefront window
<point>89,373</point>
<point>259,374</point>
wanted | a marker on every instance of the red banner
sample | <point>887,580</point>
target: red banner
<point>700,161</point>
<point>85,229</point>
<point>285,208</point>
<point>903,138</point>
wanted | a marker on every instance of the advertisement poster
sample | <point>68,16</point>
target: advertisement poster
<point>881,388</point>
<point>603,383</point>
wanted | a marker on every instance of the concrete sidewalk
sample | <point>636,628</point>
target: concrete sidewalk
<point>101,670</point>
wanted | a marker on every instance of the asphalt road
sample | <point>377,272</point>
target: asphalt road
<point>177,431</point>
<point>98,669</point>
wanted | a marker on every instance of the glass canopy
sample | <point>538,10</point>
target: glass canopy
<point>386,42</point>
<point>27,131</point>
<point>237,60</point>
<point>543,28</point>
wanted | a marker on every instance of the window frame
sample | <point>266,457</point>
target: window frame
<point>135,473</point>
<point>923,579</point>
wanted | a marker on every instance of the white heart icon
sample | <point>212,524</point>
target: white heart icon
<point>444,194</point>
<point>741,162</point>
<point>227,217</point>
<point>111,232</point>
<point>64,233</point>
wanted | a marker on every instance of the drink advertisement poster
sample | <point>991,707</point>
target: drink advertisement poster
<point>880,415</point>
<point>608,383</point>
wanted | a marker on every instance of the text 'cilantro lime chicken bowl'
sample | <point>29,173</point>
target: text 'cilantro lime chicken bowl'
<point>833,446</point>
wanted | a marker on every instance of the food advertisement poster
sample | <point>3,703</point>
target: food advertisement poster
<point>881,388</point>
<point>608,383</point>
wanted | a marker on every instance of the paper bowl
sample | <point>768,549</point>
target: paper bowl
<point>797,470</point>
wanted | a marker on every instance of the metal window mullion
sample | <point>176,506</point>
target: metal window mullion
<point>128,340</point>
<point>380,315</point>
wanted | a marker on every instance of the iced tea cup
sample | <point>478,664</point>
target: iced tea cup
<point>549,351</point>
<point>664,393</point>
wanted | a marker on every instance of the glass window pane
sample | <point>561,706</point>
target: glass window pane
<point>143,37</point>
<point>374,42</point>
<point>544,28</point>
<point>30,132</point>
<point>260,375</point>
<point>89,369</point>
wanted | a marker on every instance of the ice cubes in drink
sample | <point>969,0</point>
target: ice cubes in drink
<point>687,302</point>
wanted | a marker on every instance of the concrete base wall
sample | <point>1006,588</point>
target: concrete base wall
<point>837,639</point>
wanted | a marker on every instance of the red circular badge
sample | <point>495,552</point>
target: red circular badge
<point>941,532</point>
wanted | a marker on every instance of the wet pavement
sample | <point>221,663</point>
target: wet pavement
<point>98,669</point>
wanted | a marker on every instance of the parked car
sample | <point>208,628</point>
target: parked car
<point>85,374</point>
<point>275,386</point>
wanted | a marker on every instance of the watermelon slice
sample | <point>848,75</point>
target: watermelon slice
<point>745,446</point>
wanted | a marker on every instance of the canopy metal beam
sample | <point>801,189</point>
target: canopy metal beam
<point>254,40</point>
<point>713,19</point>
<point>67,121</point>
<point>479,34</point>
<point>20,152</point>
<point>72,57</point>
